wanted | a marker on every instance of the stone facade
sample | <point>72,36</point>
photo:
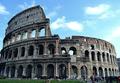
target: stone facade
<point>118,62</point>
<point>30,50</point>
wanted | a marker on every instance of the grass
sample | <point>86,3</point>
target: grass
<point>39,81</point>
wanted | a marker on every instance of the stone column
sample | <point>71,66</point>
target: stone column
<point>33,72</point>
<point>103,72</point>
<point>37,33</point>
<point>90,58</point>
<point>44,69</point>
<point>56,48</point>
<point>35,51</point>
<point>5,73</point>
<point>16,73</point>
<point>97,71</point>
<point>9,75</point>
<point>26,51</point>
<point>79,73</point>
<point>24,71</point>
<point>101,58</point>
<point>69,70</point>
<point>56,70</point>
<point>47,30</point>
<point>19,52</point>
<point>28,34</point>
<point>96,56</point>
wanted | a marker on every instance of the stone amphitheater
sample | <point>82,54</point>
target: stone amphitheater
<point>30,50</point>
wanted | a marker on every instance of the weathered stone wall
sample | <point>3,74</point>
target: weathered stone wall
<point>30,50</point>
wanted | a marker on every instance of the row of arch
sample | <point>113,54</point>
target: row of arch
<point>51,50</point>
<point>37,71</point>
<point>30,51</point>
<point>100,56</point>
<point>104,72</point>
<point>25,35</point>
<point>28,71</point>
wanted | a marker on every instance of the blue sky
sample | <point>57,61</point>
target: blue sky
<point>94,18</point>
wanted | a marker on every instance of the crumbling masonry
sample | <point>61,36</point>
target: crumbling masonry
<point>30,50</point>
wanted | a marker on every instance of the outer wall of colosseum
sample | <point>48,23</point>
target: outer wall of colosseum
<point>31,50</point>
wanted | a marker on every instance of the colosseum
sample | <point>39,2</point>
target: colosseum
<point>30,50</point>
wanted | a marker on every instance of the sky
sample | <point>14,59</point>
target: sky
<point>93,18</point>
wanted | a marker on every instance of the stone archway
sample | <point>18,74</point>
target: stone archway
<point>84,72</point>
<point>13,72</point>
<point>62,71</point>
<point>110,74</point>
<point>106,72</point>
<point>50,71</point>
<point>51,49</point>
<point>7,71</point>
<point>74,72</point>
<point>100,72</point>
<point>95,71</point>
<point>39,71</point>
<point>29,71</point>
<point>20,71</point>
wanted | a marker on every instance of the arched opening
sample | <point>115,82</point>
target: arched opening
<point>110,74</point>
<point>87,53</point>
<point>84,72</point>
<point>92,47</point>
<point>103,56</point>
<point>6,54</point>
<point>23,51</point>
<point>24,35</point>
<point>72,51</point>
<point>62,71</point>
<point>108,57</point>
<point>10,54</point>
<point>20,71</point>
<point>7,71</point>
<point>51,49</point>
<point>111,58</point>
<point>74,72</point>
<point>98,56</point>
<point>41,49</point>
<point>95,71</point>
<point>100,72</point>
<point>106,74</point>
<point>41,32</point>
<point>29,71</point>
<point>33,33</point>
<point>13,39</point>
<point>31,51</point>
<point>13,72</point>
<point>93,55</point>
<point>63,50</point>
<point>15,52</point>
<point>50,71</point>
<point>39,71</point>
<point>18,37</point>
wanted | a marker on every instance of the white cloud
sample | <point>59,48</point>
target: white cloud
<point>97,10</point>
<point>25,5</point>
<point>62,23</point>
<point>102,11</point>
<point>114,34</point>
<point>3,10</point>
